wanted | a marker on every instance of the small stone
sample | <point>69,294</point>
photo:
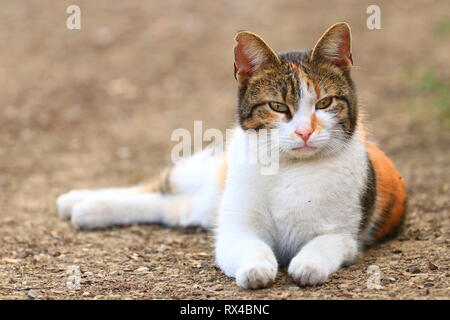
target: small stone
<point>142,269</point>
<point>117,272</point>
<point>134,257</point>
<point>202,254</point>
<point>32,294</point>
<point>216,288</point>
<point>348,294</point>
<point>413,270</point>
<point>283,295</point>
<point>432,266</point>
<point>40,258</point>
<point>428,284</point>
<point>9,261</point>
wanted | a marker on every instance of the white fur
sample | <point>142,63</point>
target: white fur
<point>306,216</point>
<point>195,202</point>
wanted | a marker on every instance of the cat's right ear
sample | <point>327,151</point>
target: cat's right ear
<point>251,55</point>
<point>335,45</point>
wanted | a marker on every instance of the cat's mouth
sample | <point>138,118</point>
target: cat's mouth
<point>305,148</point>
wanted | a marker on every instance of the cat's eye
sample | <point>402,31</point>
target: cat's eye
<point>278,107</point>
<point>324,103</point>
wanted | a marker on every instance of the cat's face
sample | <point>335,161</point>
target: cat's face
<point>308,96</point>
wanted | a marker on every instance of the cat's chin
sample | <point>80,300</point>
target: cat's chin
<point>305,149</point>
<point>303,152</point>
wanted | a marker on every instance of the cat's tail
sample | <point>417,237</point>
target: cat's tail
<point>185,194</point>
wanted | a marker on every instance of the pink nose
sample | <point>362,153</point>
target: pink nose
<point>304,134</point>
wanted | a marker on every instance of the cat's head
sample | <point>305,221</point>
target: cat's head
<point>307,95</point>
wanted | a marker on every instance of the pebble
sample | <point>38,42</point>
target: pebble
<point>134,256</point>
<point>32,294</point>
<point>216,288</point>
<point>432,266</point>
<point>142,269</point>
<point>9,261</point>
<point>413,270</point>
<point>117,272</point>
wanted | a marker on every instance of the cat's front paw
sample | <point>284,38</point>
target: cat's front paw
<point>308,272</point>
<point>256,275</point>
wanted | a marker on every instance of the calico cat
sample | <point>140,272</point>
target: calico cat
<point>334,194</point>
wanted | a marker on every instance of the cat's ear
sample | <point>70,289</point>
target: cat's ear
<point>251,55</point>
<point>335,45</point>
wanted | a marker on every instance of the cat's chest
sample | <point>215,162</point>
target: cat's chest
<point>308,199</point>
<point>301,194</point>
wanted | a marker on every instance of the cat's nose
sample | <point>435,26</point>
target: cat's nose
<point>304,133</point>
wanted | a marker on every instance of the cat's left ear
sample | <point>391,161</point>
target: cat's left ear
<point>252,55</point>
<point>335,45</point>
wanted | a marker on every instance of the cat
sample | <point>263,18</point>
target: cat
<point>335,193</point>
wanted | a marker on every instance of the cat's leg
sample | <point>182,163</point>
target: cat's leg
<point>182,195</point>
<point>247,258</point>
<point>100,211</point>
<point>67,201</point>
<point>321,257</point>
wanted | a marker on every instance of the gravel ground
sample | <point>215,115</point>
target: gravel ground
<point>95,107</point>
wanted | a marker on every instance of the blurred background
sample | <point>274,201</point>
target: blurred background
<point>95,107</point>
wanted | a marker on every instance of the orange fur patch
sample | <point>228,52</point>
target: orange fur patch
<point>161,184</point>
<point>391,194</point>
<point>314,122</point>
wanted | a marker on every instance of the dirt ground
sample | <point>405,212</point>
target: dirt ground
<point>95,107</point>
